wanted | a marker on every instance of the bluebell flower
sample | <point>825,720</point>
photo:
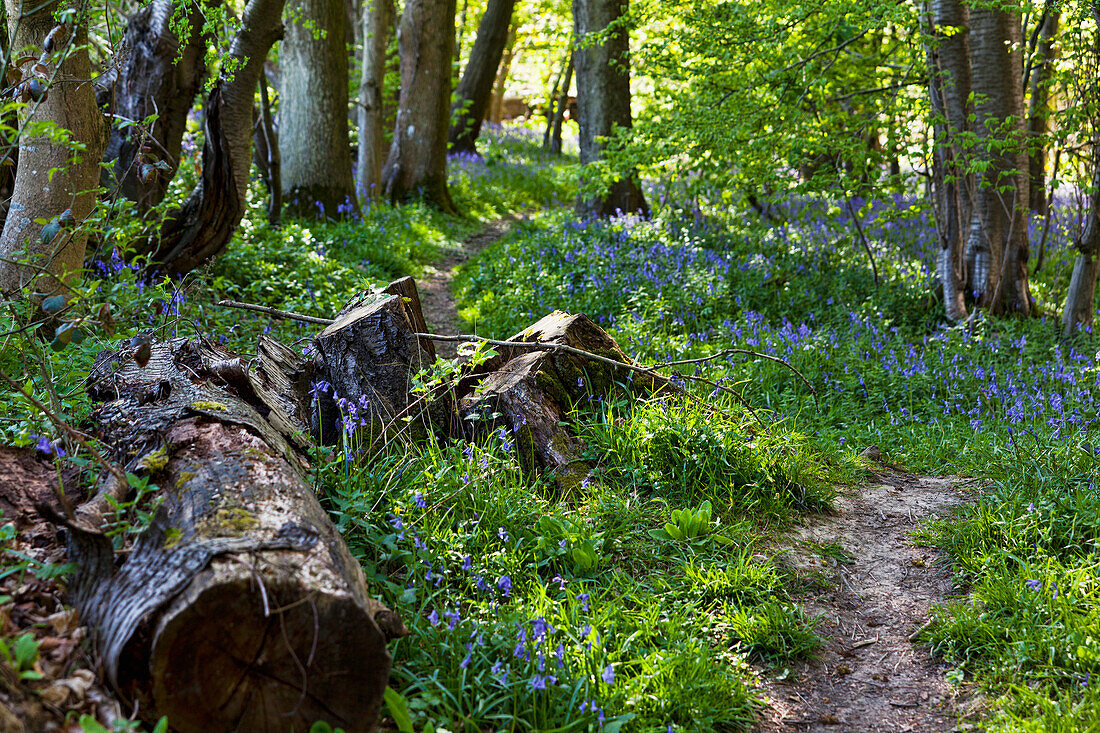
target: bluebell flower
<point>608,675</point>
<point>504,583</point>
<point>433,617</point>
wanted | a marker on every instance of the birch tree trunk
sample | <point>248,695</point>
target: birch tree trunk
<point>70,103</point>
<point>603,97</point>
<point>998,237</point>
<point>417,163</point>
<point>313,112</point>
<point>378,18</point>
<point>949,89</point>
<point>473,93</point>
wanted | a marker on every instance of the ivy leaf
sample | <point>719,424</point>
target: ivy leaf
<point>51,230</point>
<point>53,304</point>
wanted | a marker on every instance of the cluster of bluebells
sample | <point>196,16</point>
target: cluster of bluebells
<point>682,278</point>
<point>476,612</point>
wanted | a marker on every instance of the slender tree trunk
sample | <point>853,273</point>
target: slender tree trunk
<point>602,59</point>
<point>998,233</point>
<point>158,74</point>
<point>496,105</point>
<point>949,89</point>
<point>563,105</point>
<point>378,18</point>
<point>203,226</point>
<point>417,163</point>
<point>472,96</point>
<point>313,112</point>
<point>552,100</point>
<point>1078,309</point>
<point>1037,119</point>
<point>70,103</point>
<point>273,160</point>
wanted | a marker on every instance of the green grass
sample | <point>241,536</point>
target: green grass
<point>506,582</point>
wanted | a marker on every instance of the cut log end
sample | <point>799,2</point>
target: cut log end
<point>238,656</point>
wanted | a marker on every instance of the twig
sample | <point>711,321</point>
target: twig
<point>862,238</point>
<point>285,315</point>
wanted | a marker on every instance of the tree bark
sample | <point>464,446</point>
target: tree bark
<point>267,140</point>
<point>1039,110</point>
<point>158,75</point>
<point>949,89</point>
<point>998,238</point>
<point>473,93</point>
<point>603,98</point>
<point>50,179</point>
<point>313,112</point>
<point>378,18</point>
<point>203,226</point>
<point>563,105</point>
<point>1078,309</point>
<point>239,607</point>
<point>496,102</point>
<point>417,163</point>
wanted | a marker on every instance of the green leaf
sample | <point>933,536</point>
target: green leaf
<point>53,304</point>
<point>398,710</point>
<point>88,724</point>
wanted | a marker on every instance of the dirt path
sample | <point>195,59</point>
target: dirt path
<point>436,298</point>
<point>870,676</point>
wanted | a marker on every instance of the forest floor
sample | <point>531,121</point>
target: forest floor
<point>434,286</point>
<point>871,586</point>
<point>877,587</point>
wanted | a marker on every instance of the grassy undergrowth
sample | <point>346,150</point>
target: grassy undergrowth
<point>534,610</point>
<point>1005,401</point>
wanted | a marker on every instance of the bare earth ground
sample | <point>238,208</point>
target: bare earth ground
<point>435,285</point>
<point>869,676</point>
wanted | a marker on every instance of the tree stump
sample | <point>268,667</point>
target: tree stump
<point>526,398</point>
<point>368,358</point>
<point>238,606</point>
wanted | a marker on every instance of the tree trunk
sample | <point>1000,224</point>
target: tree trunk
<point>238,607</point>
<point>949,89</point>
<point>1078,309</point>
<point>313,112</point>
<point>203,226</point>
<point>496,103</point>
<point>472,96</point>
<point>603,98</point>
<point>998,239</point>
<point>158,76</point>
<point>70,103</point>
<point>377,27</point>
<point>417,163</point>
<point>1037,118</point>
<point>552,100</point>
<point>267,142</point>
<point>559,113</point>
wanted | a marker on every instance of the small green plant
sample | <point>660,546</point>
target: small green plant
<point>691,524</point>
<point>571,540</point>
<point>21,654</point>
<point>133,515</point>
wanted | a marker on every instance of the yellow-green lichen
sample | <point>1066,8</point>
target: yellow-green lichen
<point>208,406</point>
<point>184,477</point>
<point>155,461</point>
<point>227,522</point>
<point>172,538</point>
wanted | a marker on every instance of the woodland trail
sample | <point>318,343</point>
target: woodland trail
<point>437,301</point>
<point>870,676</point>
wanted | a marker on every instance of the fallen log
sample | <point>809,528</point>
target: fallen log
<point>237,606</point>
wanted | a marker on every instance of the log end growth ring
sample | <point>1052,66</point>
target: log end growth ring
<point>220,662</point>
